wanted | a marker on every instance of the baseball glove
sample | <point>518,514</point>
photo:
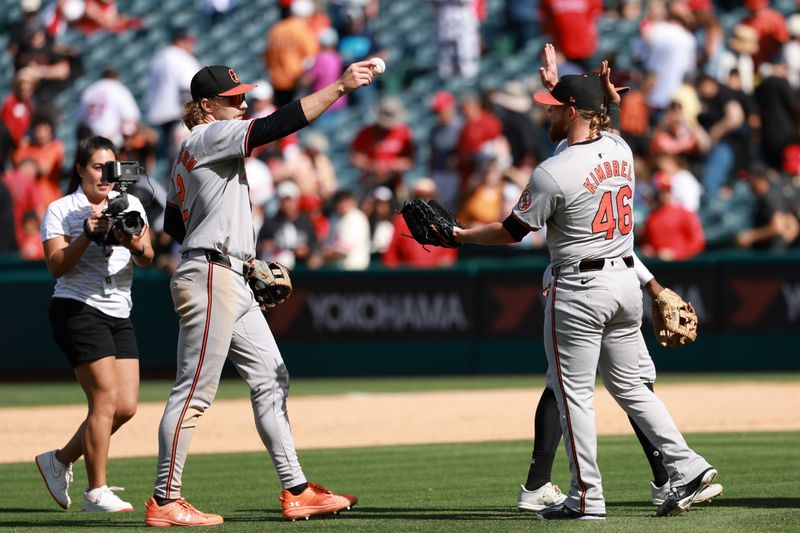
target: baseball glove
<point>430,223</point>
<point>269,282</point>
<point>674,320</point>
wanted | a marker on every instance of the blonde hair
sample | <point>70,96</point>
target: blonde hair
<point>597,121</point>
<point>193,114</point>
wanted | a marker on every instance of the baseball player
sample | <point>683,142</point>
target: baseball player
<point>584,194</point>
<point>538,492</point>
<point>209,213</point>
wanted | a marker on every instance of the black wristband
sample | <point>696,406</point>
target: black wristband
<point>613,114</point>
<point>138,253</point>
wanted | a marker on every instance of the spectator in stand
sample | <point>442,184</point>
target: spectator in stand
<point>512,105</point>
<point>742,46</point>
<point>219,11</point>
<point>443,149</point>
<point>168,88</point>
<point>21,184</point>
<point>290,43</point>
<point>108,109</point>
<point>312,206</point>
<point>685,190</point>
<point>50,68</point>
<point>723,117</point>
<point>381,221</point>
<point>480,127</point>
<point>669,53</point>
<point>573,26</point>
<point>406,252</point>
<point>458,38</point>
<point>103,15</point>
<point>30,247</point>
<point>671,233</point>
<point>326,69</point>
<point>288,237</point>
<point>523,21</point>
<point>357,42</point>
<point>772,30</point>
<point>8,240</point>
<point>18,30</point>
<point>384,151</point>
<point>484,200</point>
<point>675,135</point>
<point>48,152</point>
<point>348,245</point>
<point>778,107</point>
<point>311,168</point>
<point>773,226</point>
<point>791,51</point>
<point>15,116</point>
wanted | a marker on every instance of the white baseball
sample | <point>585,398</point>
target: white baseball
<point>378,66</point>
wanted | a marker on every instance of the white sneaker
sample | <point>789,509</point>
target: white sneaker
<point>659,494</point>
<point>57,476</point>
<point>705,495</point>
<point>102,500</point>
<point>536,500</point>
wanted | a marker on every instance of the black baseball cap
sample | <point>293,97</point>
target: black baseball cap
<point>581,91</point>
<point>217,80</point>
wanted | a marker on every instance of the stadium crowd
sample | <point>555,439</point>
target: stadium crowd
<point>713,116</point>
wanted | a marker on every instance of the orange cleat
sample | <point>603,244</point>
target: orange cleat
<point>178,513</point>
<point>316,500</point>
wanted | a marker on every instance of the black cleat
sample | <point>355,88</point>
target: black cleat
<point>562,512</point>
<point>681,498</point>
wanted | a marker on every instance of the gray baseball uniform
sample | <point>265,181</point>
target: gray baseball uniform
<point>584,194</point>
<point>219,316</point>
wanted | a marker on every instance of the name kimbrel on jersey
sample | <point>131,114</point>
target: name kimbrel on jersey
<point>605,170</point>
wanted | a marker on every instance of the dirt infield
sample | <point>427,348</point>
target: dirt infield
<point>355,420</point>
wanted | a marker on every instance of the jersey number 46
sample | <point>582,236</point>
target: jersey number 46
<point>605,221</point>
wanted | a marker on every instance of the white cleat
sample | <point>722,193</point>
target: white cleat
<point>57,477</point>
<point>536,500</point>
<point>659,494</point>
<point>103,500</point>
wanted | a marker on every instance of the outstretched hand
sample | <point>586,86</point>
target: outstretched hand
<point>357,75</point>
<point>549,72</point>
<point>612,96</point>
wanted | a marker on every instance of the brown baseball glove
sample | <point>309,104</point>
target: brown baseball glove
<point>269,282</point>
<point>674,320</point>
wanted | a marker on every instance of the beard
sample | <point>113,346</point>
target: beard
<point>557,132</point>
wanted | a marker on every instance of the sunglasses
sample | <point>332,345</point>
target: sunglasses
<point>234,100</point>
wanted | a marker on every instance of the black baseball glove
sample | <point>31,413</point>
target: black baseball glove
<point>430,223</point>
<point>269,282</point>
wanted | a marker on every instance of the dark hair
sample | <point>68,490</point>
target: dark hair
<point>86,148</point>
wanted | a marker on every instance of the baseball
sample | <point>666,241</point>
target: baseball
<point>378,66</point>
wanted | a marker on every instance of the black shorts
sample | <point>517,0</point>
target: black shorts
<point>86,334</point>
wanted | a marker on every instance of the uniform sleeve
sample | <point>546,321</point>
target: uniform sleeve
<point>172,193</point>
<point>642,271</point>
<point>54,224</point>
<point>225,139</point>
<point>539,200</point>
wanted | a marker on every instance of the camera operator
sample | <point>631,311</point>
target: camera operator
<point>89,316</point>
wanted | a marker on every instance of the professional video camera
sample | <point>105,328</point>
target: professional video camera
<point>124,174</point>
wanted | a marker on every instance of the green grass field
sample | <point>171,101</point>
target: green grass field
<point>457,487</point>
<point>58,393</point>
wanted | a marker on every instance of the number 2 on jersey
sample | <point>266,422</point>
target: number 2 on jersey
<point>604,219</point>
<point>181,196</point>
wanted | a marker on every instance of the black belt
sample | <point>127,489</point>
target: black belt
<point>220,259</point>
<point>588,265</point>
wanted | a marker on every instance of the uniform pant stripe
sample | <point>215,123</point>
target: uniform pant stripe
<point>194,382</point>
<point>564,392</point>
